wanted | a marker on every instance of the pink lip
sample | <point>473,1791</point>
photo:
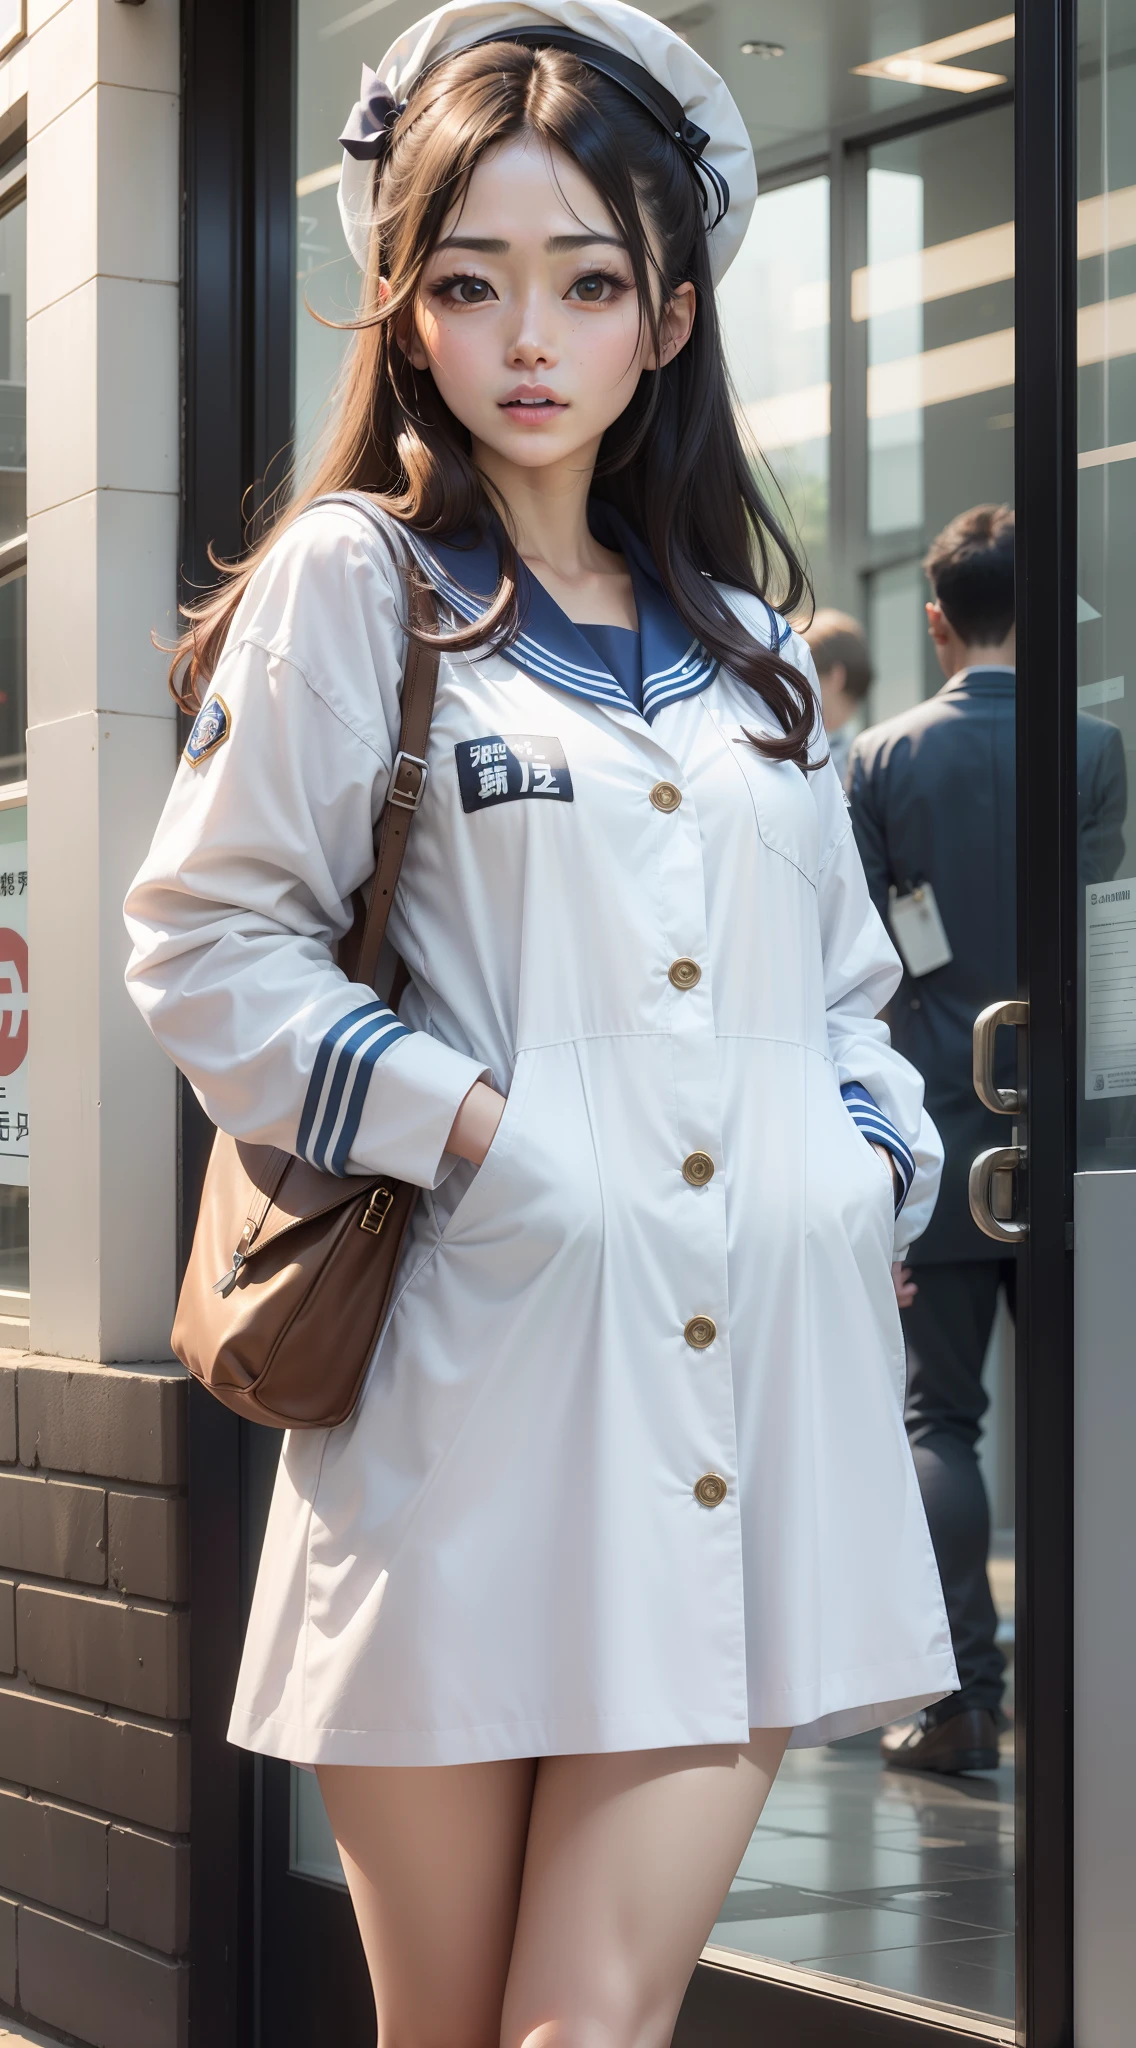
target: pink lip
<point>541,401</point>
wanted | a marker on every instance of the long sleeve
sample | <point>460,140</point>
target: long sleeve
<point>861,972</point>
<point>248,884</point>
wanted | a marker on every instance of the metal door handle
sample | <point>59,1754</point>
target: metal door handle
<point>990,1190</point>
<point>1004,1101</point>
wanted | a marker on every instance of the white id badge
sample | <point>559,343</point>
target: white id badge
<point>918,930</point>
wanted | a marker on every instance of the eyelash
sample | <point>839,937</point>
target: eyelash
<point>618,284</point>
<point>444,287</point>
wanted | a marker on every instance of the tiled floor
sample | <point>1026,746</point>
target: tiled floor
<point>901,1881</point>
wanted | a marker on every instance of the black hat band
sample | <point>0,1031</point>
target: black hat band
<point>634,79</point>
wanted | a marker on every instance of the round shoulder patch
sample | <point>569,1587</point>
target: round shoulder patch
<point>211,728</point>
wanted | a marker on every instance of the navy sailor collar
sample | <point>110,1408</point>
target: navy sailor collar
<point>549,647</point>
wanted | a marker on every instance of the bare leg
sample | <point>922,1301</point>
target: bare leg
<point>629,1858</point>
<point>433,1859</point>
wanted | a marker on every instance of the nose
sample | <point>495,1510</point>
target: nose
<point>533,345</point>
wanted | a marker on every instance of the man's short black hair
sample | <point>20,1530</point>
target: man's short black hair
<point>837,637</point>
<point>970,568</point>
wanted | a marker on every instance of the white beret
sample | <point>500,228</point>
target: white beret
<point>706,102</point>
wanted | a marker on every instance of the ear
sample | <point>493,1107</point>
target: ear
<point>937,625</point>
<point>410,341</point>
<point>675,326</point>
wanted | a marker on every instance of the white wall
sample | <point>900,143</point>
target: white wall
<point>103,460</point>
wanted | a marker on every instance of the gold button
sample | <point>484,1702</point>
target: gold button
<point>710,1490</point>
<point>698,1169</point>
<point>700,1331</point>
<point>684,973</point>
<point>666,797</point>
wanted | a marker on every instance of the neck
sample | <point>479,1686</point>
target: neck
<point>1000,655</point>
<point>548,508</point>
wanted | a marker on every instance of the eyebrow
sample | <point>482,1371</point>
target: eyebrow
<point>556,245</point>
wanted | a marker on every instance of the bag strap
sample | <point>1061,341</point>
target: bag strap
<point>409,770</point>
<point>407,783</point>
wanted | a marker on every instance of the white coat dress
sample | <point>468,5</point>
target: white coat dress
<point>629,1469</point>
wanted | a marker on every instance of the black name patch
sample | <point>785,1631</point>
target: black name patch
<point>504,766</point>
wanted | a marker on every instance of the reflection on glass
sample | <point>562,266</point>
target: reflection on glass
<point>856,1875</point>
<point>890,300</point>
<point>1106,351</point>
<point>311,1845</point>
<point>333,42</point>
<point>896,633</point>
<point>13,677</point>
<point>14,1239</point>
<point>13,372</point>
<point>899,1882</point>
<point>774,306</point>
<point>14,1119</point>
<point>935,305</point>
<point>902,1881</point>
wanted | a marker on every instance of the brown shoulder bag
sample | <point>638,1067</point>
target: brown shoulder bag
<point>292,1270</point>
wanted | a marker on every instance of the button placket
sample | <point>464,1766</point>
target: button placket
<point>699,1266</point>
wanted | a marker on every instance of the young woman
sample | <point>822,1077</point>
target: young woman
<point>627,1498</point>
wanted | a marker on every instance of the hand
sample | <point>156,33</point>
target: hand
<point>882,1152</point>
<point>901,1280</point>
<point>475,1124</point>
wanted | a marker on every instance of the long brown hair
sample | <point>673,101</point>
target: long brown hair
<point>673,464</point>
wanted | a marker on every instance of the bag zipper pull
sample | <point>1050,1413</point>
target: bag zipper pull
<point>228,1281</point>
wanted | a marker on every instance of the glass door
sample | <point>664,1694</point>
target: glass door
<point>871,325</point>
<point>888,1888</point>
<point>1105,1076</point>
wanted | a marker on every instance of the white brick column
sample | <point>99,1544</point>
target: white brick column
<point>103,456</point>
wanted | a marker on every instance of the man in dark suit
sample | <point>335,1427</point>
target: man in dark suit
<point>932,800</point>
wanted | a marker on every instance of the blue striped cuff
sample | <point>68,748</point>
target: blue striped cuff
<point>869,1118</point>
<point>340,1079</point>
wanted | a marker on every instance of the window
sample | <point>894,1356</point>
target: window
<point>774,304</point>
<point>1106,381</point>
<point>14,1122</point>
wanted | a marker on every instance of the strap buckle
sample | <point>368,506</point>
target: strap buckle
<point>407,781</point>
<point>376,1212</point>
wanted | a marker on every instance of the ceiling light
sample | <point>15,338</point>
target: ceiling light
<point>767,50</point>
<point>926,64</point>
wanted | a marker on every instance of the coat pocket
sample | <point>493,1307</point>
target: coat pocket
<point>463,1189</point>
<point>538,1190</point>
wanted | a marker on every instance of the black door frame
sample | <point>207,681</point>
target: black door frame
<point>237,335</point>
<point>1046,488</point>
<point>238,93</point>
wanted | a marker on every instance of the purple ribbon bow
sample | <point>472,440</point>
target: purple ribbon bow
<point>370,123</point>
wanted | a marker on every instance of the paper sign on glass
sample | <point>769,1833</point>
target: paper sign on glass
<point>918,930</point>
<point>1110,989</point>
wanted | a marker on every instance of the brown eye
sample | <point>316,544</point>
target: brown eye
<point>472,291</point>
<point>591,289</point>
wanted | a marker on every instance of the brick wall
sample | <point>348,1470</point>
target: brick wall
<point>94,1701</point>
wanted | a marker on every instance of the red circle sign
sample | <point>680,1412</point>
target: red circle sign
<point>13,1001</point>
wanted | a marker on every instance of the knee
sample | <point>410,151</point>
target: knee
<point>565,2032</point>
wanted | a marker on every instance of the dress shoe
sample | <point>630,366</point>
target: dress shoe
<point>962,1742</point>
